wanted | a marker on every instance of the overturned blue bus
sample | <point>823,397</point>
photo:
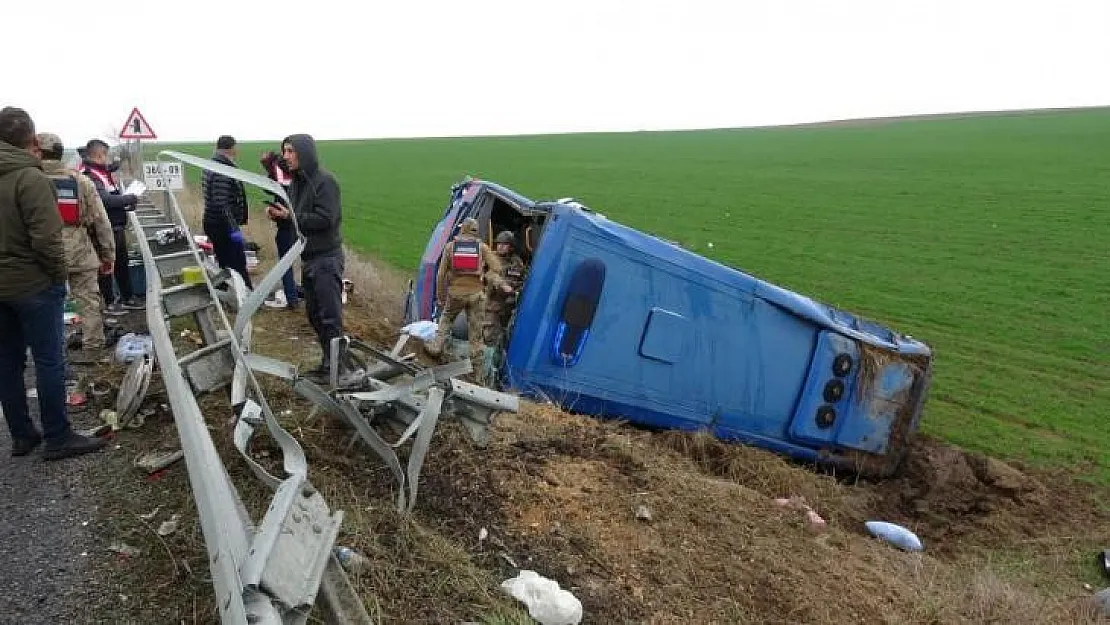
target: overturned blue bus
<point>616,323</point>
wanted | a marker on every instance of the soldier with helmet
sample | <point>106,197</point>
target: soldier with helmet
<point>459,285</point>
<point>501,301</point>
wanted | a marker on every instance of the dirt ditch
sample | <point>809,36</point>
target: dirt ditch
<point>642,527</point>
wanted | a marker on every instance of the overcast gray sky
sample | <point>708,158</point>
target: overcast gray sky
<point>260,70</point>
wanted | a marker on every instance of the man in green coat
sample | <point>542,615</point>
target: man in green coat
<point>32,295</point>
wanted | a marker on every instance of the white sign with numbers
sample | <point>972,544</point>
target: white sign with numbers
<point>162,175</point>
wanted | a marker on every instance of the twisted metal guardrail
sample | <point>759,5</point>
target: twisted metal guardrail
<point>273,572</point>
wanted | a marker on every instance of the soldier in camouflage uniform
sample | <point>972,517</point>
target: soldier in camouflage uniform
<point>87,234</point>
<point>459,283</point>
<point>501,301</point>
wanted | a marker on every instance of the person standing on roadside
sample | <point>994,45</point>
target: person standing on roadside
<point>95,165</point>
<point>225,211</point>
<point>317,208</point>
<point>32,296</point>
<point>277,171</point>
<point>87,235</point>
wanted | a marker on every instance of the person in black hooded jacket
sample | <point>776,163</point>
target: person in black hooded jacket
<point>314,193</point>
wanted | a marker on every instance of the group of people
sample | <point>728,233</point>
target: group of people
<point>484,284</point>
<point>62,233</point>
<point>316,213</point>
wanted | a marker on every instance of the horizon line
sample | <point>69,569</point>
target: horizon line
<point>840,121</point>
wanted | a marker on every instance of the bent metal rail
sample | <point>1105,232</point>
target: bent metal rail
<point>269,573</point>
<point>272,573</point>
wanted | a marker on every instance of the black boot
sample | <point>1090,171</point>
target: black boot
<point>23,446</point>
<point>70,445</point>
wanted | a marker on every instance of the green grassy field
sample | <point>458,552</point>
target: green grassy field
<point>984,236</point>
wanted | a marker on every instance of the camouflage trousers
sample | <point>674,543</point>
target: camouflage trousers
<point>85,289</point>
<point>493,323</point>
<point>470,304</point>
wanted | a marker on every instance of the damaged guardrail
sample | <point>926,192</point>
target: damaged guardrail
<point>272,572</point>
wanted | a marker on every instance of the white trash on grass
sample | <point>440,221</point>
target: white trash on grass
<point>423,330</point>
<point>132,346</point>
<point>895,534</point>
<point>547,602</point>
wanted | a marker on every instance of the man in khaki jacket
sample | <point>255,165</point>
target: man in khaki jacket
<point>87,233</point>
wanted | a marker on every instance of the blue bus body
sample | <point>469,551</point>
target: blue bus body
<point>616,323</point>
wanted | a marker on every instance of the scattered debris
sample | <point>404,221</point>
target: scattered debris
<point>76,399</point>
<point>816,522</point>
<point>351,560</point>
<point>133,390</point>
<point>643,513</point>
<point>99,390</point>
<point>895,534</point>
<point>148,517</point>
<point>110,418</point>
<point>158,460</point>
<point>192,336</point>
<point>97,431</point>
<point>168,527</point>
<point>124,549</point>
<point>423,330</point>
<point>132,346</point>
<point>483,534</point>
<point>547,602</point>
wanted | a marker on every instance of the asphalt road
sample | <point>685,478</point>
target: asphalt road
<point>49,547</point>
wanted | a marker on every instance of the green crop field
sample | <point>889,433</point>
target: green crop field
<point>987,237</point>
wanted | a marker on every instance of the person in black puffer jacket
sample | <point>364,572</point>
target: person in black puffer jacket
<point>314,193</point>
<point>225,210</point>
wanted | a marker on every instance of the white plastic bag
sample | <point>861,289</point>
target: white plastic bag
<point>895,534</point>
<point>547,603</point>
<point>423,330</point>
<point>132,346</point>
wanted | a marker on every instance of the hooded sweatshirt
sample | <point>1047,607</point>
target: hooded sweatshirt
<point>32,255</point>
<point>316,202</point>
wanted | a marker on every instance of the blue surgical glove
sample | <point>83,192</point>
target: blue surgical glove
<point>237,237</point>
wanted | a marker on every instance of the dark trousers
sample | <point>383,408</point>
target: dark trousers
<point>229,254</point>
<point>284,240</point>
<point>122,272</point>
<point>35,321</point>
<point>322,278</point>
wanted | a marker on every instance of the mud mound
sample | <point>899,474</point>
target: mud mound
<point>954,499</point>
<point>677,528</point>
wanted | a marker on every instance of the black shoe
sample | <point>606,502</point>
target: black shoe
<point>134,303</point>
<point>72,445</point>
<point>24,446</point>
<point>320,374</point>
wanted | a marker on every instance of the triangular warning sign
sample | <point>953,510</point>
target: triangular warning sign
<point>136,127</point>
